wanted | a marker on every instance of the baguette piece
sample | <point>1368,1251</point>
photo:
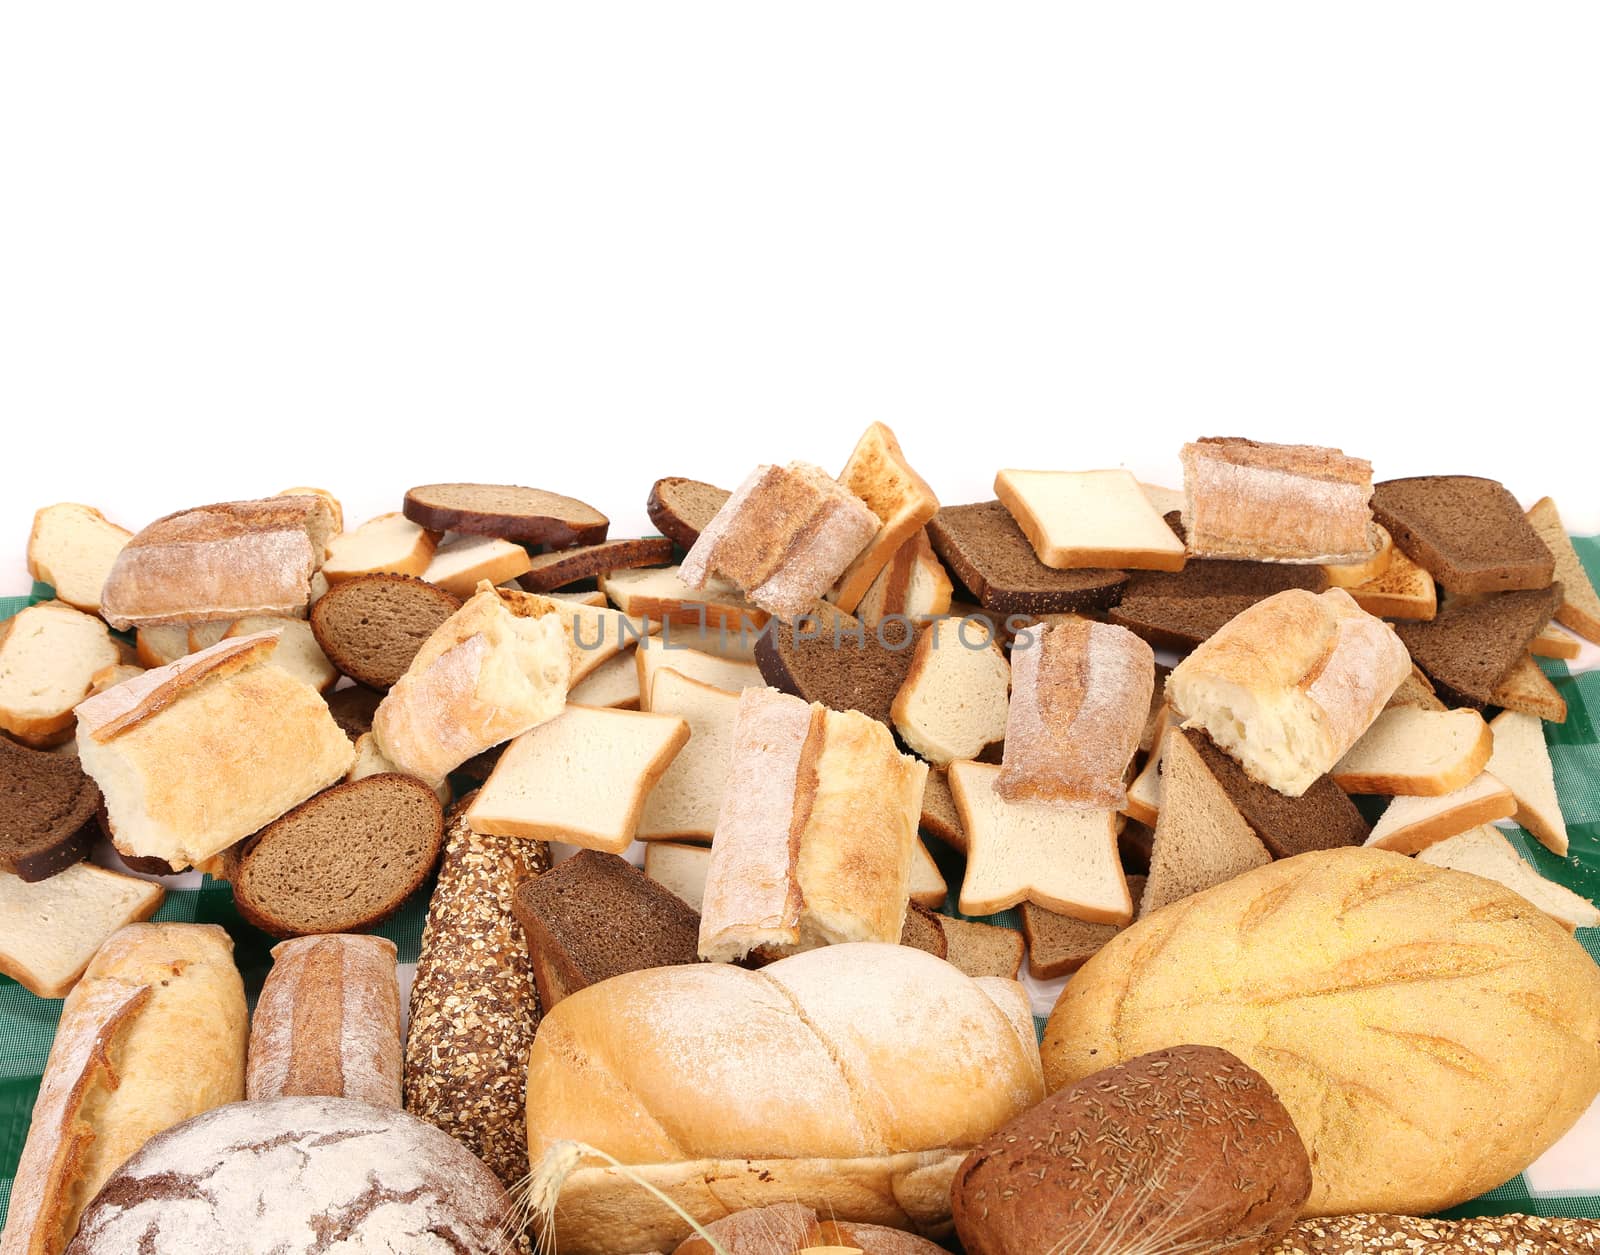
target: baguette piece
<point>474,1008</point>
<point>1063,860</point>
<point>51,929</point>
<point>687,799</point>
<point>784,537</point>
<point>297,651</point>
<point>952,703</point>
<point>816,836</point>
<point>1089,519</point>
<point>328,1022</point>
<point>1080,698</point>
<point>1289,685</point>
<point>220,562</point>
<point>1522,760</point>
<point>153,1034</point>
<point>326,495</point>
<point>389,544</point>
<point>1416,753</point>
<point>581,778</point>
<point>1486,852</point>
<point>913,584</point>
<point>1580,604</point>
<point>460,563</point>
<point>497,667</point>
<point>1411,824</point>
<point>275,744</point>
<point>49,656</point>
<point>1276,502</point>
<point>72,548</point>
<point>853,1095</point>
<point>879,475</point>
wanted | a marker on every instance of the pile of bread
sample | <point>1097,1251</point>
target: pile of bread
<point>1286,1029</point>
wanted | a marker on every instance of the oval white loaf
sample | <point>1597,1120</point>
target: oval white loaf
<point>851,1079</point>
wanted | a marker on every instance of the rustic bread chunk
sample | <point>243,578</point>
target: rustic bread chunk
<point>460,563</point>
<point>1469,533</point>
<point>49,930</point>
<point>1089,519</point>
<point>72,548</point>
<point>1522,761</point>
<point>1064,860</point>
<point>389,544</point>
<point>1580,604</point>
<point>1275,502</point>
<point>530,515</point>
<point>297,651</point>
<point>1485,852</point>
<point>1059,944</point>
<point>687,798</point>
<point>342,862</point>
<point>371,626</point>
<point>560,567</point>
<point>682,508</point>
<point>982,949</point>
<point>989,554</point>
<point>1412,824</point>
<point>913,585</point>
<point>334,506</point>
<point>47,808</point>
<point>1473,644</point>
<point>1416,753</point>
<point>49,655</point>
<point>952,703</point>
<point>594,916</point>
<point>879,474</point>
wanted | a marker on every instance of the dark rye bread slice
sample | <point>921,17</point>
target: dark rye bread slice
<point>922,931</point>
<point>341,862</point>
<point>1323,818</point>
<point>507,511</point>
<point>1468,533</point>
<point>681,508</point>
<point>1472,644</point>
<point>939,815</point>
<point>986,550</point>
<point>353,708</point>
<point>1058,944</point>
<point>855,668</point>
<point>47,810</point>
<point>372,626</point>
<point>595,916</point>
<point>560,567</point>
<point>1179,609</point>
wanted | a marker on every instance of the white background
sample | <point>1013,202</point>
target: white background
<point>244,247</point>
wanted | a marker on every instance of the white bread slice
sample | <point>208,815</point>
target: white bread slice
<point>687,799</point>
<point>1089,519</point>
<point>1144,794</point>
<point>390,543</point>
<point>1164,500</point>
<point>613,685</point>
<point>110,677</point>
<point>927,882</point>
<point>49,654</point>
<point>1527,689</point>
<point>1063,860</point>
<point>159,645</point>
<point>1580,604</point>
<point>1522,760</point>
<point>1486,852</point>
<point>371,762</point>
<point>205,635</point>
<point>879,475</point>
<point>581,778</point>
<point>1200,840</point>
<point>297,653</point>
<point>1411,824</point>
<point>1416,753</point>
<point>460,562</point>
<point>50,930</point>
<point>952,703</point>
<point>1404,591</point>
<point>72,548</point>
<point>914,584</point>
<point>1367,569</point>
<point>333,502</point>
<point>1555,642</point>
<point>680,867</point>
<point>660,595</point>
<point>657,653</point>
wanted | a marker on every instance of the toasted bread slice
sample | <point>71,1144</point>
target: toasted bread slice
<point>1526,689</point>
<point>1521,760</point>
<point>879,474</point>
<point>1404,591</point>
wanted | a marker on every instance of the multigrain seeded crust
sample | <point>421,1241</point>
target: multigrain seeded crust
<point>1413,1235</point>
<point>474,1010</point>
<point>506,511</point>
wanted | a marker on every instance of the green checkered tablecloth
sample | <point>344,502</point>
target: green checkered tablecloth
<point>27,1024</point>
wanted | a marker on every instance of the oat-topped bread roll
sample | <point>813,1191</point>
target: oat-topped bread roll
<point>1429,1033</point>
<point>850,1079</point>
<point>154,1033</point>
<point>473,1005</point>
<point>495,668</point>
<point>1290,684</point>
<point>1080,697</point>
<point>327,1023</point>
<point>1276,502</point>
<point>221,562</point>
<point>299,1176</point>
<point>1419,1235</point>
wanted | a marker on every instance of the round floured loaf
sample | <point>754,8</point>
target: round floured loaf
<point>294,1176</point>
<point>1431,1033</point>
<point>850,1079</point>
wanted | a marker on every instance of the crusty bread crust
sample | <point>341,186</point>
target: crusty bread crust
<point>124,706</point>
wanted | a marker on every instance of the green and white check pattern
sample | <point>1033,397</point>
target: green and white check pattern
<point>27,1024</point>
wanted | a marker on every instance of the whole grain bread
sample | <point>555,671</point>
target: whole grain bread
<point>681,508</point>
<point>1367,1234</point>
<point>560,567</point>
<point>939,815</point>
<point>507,512</point>
<point>595,916</point>
<point>848,670</point>
<point>1472,644</point>
<point>341,862</point>
<point>47,810</point>
<point>980,949</point>
<point>986,550</point>
<point>1469,533</point>
<point>924,931</point>
<point>371,627</point>
<point>1322,818</point>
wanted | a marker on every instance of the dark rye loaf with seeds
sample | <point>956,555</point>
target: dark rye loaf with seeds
<point>1181,1149</point>
<point>1421,1235</point>
<point>371,627</point>
<point>986,550</point>
<point>47,811</point>
<point>474,1008</point>
<point>682,508</point>
<point>507,511</point>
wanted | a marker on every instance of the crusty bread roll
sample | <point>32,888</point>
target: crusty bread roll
<point>1288,685</point>
<point>199,754</point>
<point>849,1079</point>
<point>327,1023</point>
<point>154,1033</point>
<point>1429,1033</point>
